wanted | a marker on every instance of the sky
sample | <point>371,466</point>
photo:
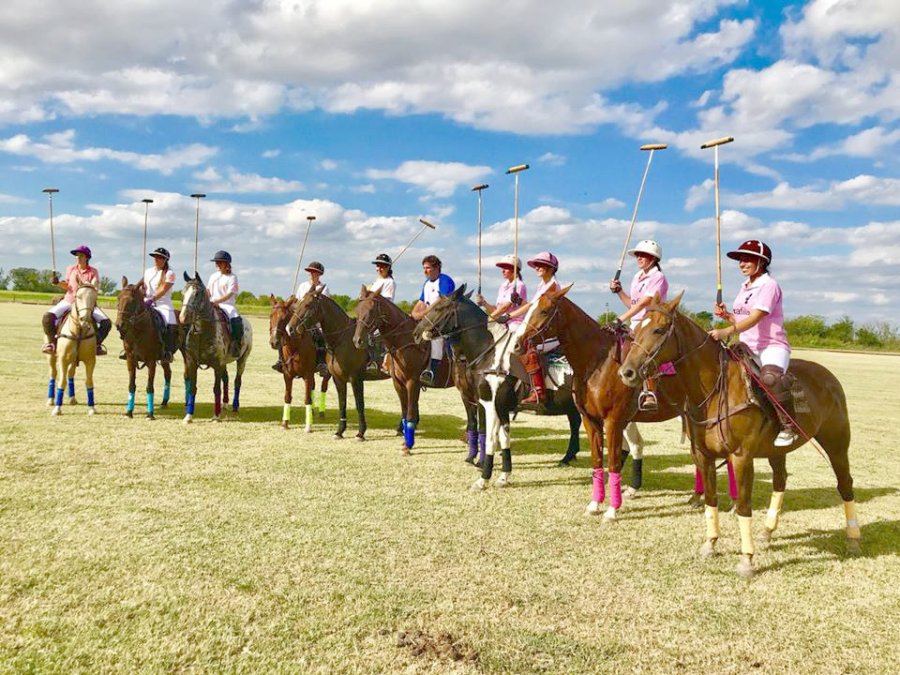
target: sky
<point>371,115</point>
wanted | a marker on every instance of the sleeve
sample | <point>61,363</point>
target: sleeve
<point>235,288</point>
<point>325,291</point>
<point>768,296</point>
<point>170,277</point>
<point>389,289</point>
<point>655,285</point>
<point>523,291</point>
<point>422,294</point>
<point>445,285</point>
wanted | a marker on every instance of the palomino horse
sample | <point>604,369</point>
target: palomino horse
<point>407,361</point>
<point>487,349</point>
<point>77,341</point>
<point>138,327</point>
<point>726,420</point>
<point>298,357</point>
<point>345,361</point>
<point>207,342</point>
<point>607,405</point>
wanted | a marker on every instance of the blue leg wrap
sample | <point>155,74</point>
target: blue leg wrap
<point>150,403</point>
<point>90,397</point>
<point>59,396</point>
<point>71,387</point>
<point>129,407</point>
<point>166,389</point>
<point>236,399</point>
<point>51,387</point>
<point>409,434</point>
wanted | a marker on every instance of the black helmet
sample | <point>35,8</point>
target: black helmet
<point>315,266</point>
<point>160,253</point>
<point>383,259</point>
<point>222,256</point>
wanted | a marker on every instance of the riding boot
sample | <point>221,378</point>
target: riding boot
<point>171,337</point>
<point>237,336</point>
<point>427,376</point>
<point>532,362</point>
<point>321,347</point>
<point>647,398</point>
<point>48,321</point>
<point>779,385</point>
<point>278,366</point>
<point>103,328</point>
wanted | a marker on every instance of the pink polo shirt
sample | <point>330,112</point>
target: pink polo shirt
<point>86,276</point>
<point>646,286</point>
<point>504,296</point>
<point>763,294</point>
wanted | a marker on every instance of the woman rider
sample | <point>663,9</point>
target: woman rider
<point>511,295</point>
<point>158,283</point>
<point>223,289</point>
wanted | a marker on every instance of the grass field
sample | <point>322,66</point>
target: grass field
<point>131,545</point>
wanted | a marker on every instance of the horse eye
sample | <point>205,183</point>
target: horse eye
<point>660,330</point>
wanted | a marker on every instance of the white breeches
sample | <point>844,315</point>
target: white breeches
<point>775,356</point>
<point>437,348</point>
<point>64,306</point>
<point>548,346</point>
<point>167,312</point>
<point>230,311</point>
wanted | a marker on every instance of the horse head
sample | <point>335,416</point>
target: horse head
<point>443,317</point>
<point>83,308</point>
<point>195,300</point>
<point>129,303</point>
<point>306,311</point>
<point>278,319</point>
<point>653,341</point>
<point>369,315</point>
<point>540,319</point>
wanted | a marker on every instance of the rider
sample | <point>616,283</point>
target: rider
<point>647,282</point>
<point>223,289</point>
<point>79,273</point>
<point>436,286</point>
<point>511,295</point>
<point>545,264</point>
<point>758,316</point>
<point>158,283</point>
<point>385,281</point>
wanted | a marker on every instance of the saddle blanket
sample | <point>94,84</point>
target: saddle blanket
<point>558,371</point>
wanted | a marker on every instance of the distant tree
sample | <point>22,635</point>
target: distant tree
<point>606,317</point>
<point>30,279</point>
<point>108,286</point>
<point>842,330</point>
<point>4,280</point>
<point>867,337</point>
<point>807,326</point>
<point>245,298</point>
<point>177,295</point>
<point>346,303</point>
<point>406,305</point>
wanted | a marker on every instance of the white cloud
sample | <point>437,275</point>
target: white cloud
<point>873,142</point>
<point>552,159</point>
<point>863,189</point>
<point>59,148</point>
<point>328,165</point>
<point>440,179</point>
<point>12,199</point>
<point>271,154</point>
<point>234,182</point>
<point>366,188</point>
<point>608,204</point>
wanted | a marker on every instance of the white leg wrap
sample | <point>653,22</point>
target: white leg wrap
<point>712,522</point>
<point>635,441</point>
<point>774,510</point>
<point>309,416</point>
<point>286,413</point>
<point>852,522</point>
<point>746,525</point>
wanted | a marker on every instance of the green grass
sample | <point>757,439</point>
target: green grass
<point>130,545</point>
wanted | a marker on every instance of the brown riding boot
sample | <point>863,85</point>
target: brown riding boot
<point>48,322</point>
<point>779,385</point>
<point>532,362</point>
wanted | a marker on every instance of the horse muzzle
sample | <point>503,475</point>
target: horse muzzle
<point>629,375</point>
<point>358,341</point>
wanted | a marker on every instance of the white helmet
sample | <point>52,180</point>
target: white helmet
<point>510,261</point>
<point>648,246</point>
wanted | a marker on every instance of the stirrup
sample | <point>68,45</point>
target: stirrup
<point>101,350</point>
<point>785,438</point>
<point>48,348</point>
<point>278,367</point>
<point>123,355</point>
<point>427,377</point>
<point>647,401</point>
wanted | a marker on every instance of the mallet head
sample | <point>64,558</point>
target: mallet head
<point>310,218</point>
<point>147,201</point>
<point>654,146</point>
<point>427,224</point>
<point>198,195</point>
<point>517,169</point>
<point>50,191</point>
<point>717,141</point>
<point>479,188</point>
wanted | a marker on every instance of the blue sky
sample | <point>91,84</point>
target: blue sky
<point>372,115</point>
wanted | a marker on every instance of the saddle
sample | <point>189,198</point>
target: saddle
<point>751,372</point>
<point>222,318</point>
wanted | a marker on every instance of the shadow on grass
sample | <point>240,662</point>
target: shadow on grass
<point>878,539</point>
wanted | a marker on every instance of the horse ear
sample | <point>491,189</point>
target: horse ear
<point>272,299</point>
<point>469,294</point>
<point>672,305</point>
<point>363,292</point>
<point>124,281</point>
<point>562,291</point>
<point>186,277</point>
<point>458,293</point>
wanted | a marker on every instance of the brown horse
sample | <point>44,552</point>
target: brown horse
<point>606,404</point>
<point>407,361</point>
<point>140,330</point>
<point>345,361</point>
<point>727,420</point>
<point>298,357</point>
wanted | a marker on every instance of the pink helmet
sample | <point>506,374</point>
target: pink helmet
<point>545,259</point>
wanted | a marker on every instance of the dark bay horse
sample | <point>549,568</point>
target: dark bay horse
<point>408,359</point>
<point>346,362</point>
<point>606,404</point>
<point>207,342</point>
<point>137,326</point>
<point>487,349</point>
<point>726,420</point>
<point>298,358</point>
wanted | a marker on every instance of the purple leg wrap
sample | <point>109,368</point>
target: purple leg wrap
<point>472,442</point>
<point>599,481</point>
<point>732,483</point>
<point>615,490</point>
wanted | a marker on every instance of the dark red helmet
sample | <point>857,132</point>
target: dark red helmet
<point>752,247</point>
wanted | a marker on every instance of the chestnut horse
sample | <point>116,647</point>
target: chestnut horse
<point>407,361</point>
<point>346,362</point>
<point>77,342</point>
<point>138,326</point>
<point>606,404</point>
<point>726,420</point>
<point>298,358</point>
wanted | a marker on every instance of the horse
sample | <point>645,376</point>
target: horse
<point>140,328</point>
<point>408,359</point>
<point>77,341</point>
<point>345,361</point>
<point>607,405</point>
<point>487,349</point>
<point>207,342</point>
<point>729,419</point>
<point>298,357</point>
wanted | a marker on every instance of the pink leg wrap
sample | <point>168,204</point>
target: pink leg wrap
<point>615,490</point>
<point>732,483</point>
<point>698,482</point>
<point>599,476</point>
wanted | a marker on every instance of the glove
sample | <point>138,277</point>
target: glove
<point>503,318</point>
<point>615,286</point>
<point>55,279</point>
<point>515,299</point>
<point>149,302</point>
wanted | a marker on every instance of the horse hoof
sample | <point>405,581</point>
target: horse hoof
<point>696,501</point>
<point>308,430</point>
<point>479,485</point>
<point>164,404</point>
<point>853,547</point>
<point>151,416</point>
<point>405,452</point>
<point>502,482</point>
<point>129,414</point>
<point>592,509</point>
<point>765,535</point>
<point>339,437</point>
<point>91,411</point>
<point>470,460</point>
<point>49,402</point>
<point>611,516</point>
<point>708,550</point>
<point>629,493</point>
<point>745,567</point>
<point>359,438</point>
<point>56,411</point>
<point>216,419</point>
<point>284,424</point>
<point>73,401</point>
<point>187,419</point>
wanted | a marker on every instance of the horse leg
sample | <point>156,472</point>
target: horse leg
<point>341,387</point>
<point>323,388</point>
<point>594,429</point>
<point>471,430</point>
<point>61,369</point>
<point>779,481</point>
<point>574,446</point>
<point>89,363</point>
<point>238,379</point>
<point>360,400</point>
<point>636,449</point>
<point>151,376</point>
<point>414,389</point>
<point>167,385</point>
<point>402,389</point>
<point>492,429</point>
<point>309,383</point>
<point>836,443</point>
<point>613,427</point>
<point>190,392</point>
<point>743,469</point>
<point>71,381</point>
<point>706,470</point>
<point>225,385</point>
<point>506,403</point>
<point>132,384</point>
<point>482,435</point>
<point>217,396</point>
<point>51,384</point>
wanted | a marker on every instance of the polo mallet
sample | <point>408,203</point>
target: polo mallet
<point>147,203</point>
<point>198,196</point>
<point>50,192</point>
<point>715,144</point>
<point>425,224</point>
<point>516,170</point>
<point>479,189</point>
<point>652,147</point>
<point>309,221</point>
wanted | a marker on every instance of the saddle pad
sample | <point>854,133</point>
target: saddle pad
<point>558,371</point>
